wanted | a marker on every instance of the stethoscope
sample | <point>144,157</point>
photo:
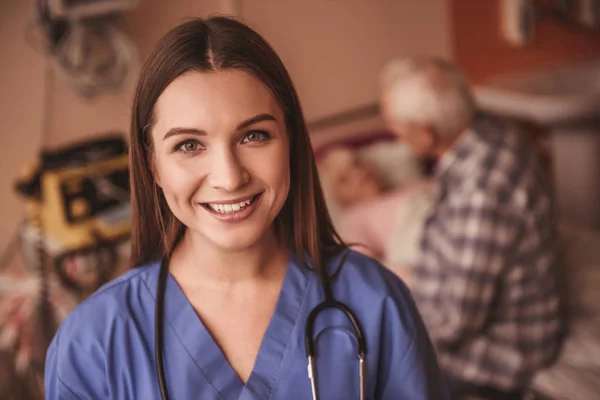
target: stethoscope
<point>329,303</point>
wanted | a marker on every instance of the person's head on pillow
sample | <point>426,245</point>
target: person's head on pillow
<point>349,179</point>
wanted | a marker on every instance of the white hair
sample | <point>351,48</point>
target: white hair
<point>428,91</point>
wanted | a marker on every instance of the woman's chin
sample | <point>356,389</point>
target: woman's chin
<point>236,240</point>
<point>234,246</point>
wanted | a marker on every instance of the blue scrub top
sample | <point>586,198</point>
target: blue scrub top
<point>105,348</point>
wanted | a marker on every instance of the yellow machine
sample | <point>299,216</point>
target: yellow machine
<point>78,210</point>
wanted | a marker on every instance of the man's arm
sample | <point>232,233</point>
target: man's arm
<point>465,249</point>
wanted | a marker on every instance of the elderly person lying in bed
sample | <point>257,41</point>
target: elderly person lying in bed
<point>383,222</point>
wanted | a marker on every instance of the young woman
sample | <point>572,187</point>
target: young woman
<point>234,249</point>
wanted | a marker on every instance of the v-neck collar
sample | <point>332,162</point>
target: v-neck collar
<point>208,356</point>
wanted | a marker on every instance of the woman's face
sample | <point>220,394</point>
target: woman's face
<point>221,156</point>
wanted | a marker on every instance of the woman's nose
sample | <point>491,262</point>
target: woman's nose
<point>227,172</point>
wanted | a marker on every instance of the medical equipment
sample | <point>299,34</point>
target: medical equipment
<point>329,303</point>
<point>80,195</point>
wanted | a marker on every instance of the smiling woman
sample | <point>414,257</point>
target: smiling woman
<point>235,252</point>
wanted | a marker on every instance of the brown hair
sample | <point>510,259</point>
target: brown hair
<point>214,44</point>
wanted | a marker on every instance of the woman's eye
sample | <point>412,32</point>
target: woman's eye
<point>255,136</point>
<point>189,146</point>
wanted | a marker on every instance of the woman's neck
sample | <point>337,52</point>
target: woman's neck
<point>197,262</point>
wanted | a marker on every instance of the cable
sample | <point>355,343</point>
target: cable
<point>95,58</point>
<point>45,307</point>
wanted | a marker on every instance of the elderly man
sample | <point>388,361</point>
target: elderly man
<point>486,283</point>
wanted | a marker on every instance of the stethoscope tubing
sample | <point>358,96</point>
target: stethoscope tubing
<point>310,343</point>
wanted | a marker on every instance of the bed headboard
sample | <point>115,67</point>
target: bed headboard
<point>355,126</point>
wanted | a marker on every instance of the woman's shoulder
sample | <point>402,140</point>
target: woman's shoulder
<point>357,271</point>
<point>375,293</point>
<point>117,300</point>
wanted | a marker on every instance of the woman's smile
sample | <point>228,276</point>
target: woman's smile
<point>235,210</point>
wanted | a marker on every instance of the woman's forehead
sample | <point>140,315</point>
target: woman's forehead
<point>214,100</point>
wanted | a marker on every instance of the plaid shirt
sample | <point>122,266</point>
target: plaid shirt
<point>486,284</point>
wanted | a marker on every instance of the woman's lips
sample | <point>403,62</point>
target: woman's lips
<point>233,211</point>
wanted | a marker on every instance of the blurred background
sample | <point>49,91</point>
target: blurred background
<point>67,75</point>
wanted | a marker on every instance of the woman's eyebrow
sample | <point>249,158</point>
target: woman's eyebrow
<point>255,119</point>
<point>180,131</point>
<point>200,132</point>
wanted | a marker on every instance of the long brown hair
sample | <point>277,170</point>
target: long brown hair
<point>214,44</point>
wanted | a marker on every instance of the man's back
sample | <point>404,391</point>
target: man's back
<point>487,282</point>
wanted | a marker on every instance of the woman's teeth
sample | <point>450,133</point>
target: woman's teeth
<point>230,208</point>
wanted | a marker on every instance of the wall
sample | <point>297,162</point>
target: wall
<point>479,48</point>
<point>334,49</point>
